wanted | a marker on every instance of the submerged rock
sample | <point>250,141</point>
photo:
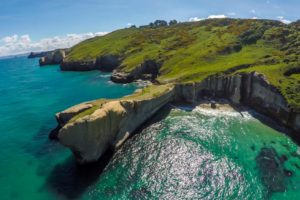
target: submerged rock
<point>271,169</point>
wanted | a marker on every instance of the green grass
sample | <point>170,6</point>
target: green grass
<point>149,92</point>
<point>97,104</point>
<point>193,51</point>
<point>84,113</point>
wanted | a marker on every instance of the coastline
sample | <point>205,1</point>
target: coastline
<point>251,90</point>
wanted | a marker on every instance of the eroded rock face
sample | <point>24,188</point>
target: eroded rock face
<point>53,57</point>
<point>251,89</point>
<point>63,117</point>
<point>145,71</point>
<point>214,87</point>
<point>296,124</point>
<point>107,63</point>
<point>109,126</point>
<point>263,97</point>
<point>78,66</point>
<point>121,77</point>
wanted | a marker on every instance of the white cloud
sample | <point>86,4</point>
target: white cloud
<point>231,14</point>
<point>216,16</point>
<point>283,20</point>
<point>10,39</point>
<point>253,11</point>
<point>15,44</point>
<point>195,19</point>
<point>254,17</point>
<point>129,24</point>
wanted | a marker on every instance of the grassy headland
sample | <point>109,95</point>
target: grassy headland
<point>192,51</point>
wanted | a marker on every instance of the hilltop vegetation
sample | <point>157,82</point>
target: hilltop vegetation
<point>192,51</point>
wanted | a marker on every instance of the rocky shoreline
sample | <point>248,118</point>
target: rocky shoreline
<point>110,125</point>
<point>54,57</point>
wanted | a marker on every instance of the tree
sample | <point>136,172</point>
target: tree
<point>159,23</point>
<point>173,22</point>
<point>152,25</point>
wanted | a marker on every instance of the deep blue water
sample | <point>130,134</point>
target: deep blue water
<point>29,97</point>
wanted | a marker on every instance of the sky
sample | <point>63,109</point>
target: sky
<point>36,25</point>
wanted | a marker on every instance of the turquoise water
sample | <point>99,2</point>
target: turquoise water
<point>29,98</point>
<point>203,154</point>
<point>180,154</point>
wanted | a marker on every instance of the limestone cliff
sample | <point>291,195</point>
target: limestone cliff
<point>106,63</point>
<point>53,57</point>
<point>109,125</point>
<point>148,70</point>
<point>251,89</point>
<point>88,130</point>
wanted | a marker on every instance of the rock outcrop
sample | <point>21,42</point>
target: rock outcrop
<point>53,58</point>
<point>145,71</point>
<point>78,66</point>
<point>107,126</point>
<point>38,54</point>
<point>107,63</point>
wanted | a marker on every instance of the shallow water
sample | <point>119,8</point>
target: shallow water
<point>182,154</point>
<point>203,154</point>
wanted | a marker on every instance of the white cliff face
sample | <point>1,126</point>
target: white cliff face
<point>90,136</point>
<point>53,57</point>
<point>250,89</point>
<point>266,99</point>
<point>109,126</point>
<point>215,87</point>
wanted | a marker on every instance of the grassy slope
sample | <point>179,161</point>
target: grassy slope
<point>193,51</point>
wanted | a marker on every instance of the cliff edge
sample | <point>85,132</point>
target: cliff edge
<point>90,128</point>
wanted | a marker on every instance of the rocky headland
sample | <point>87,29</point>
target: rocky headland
<point>252,63</point>
<point>54,57</point>
<point>38,54</point>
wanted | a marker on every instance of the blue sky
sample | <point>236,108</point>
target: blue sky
<point>36,20</point>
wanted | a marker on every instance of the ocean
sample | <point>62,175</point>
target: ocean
<point>182,153</point>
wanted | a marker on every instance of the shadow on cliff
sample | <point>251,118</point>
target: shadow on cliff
<point>278,126</point>
<point>162,114</point>
<point>71,180</point>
